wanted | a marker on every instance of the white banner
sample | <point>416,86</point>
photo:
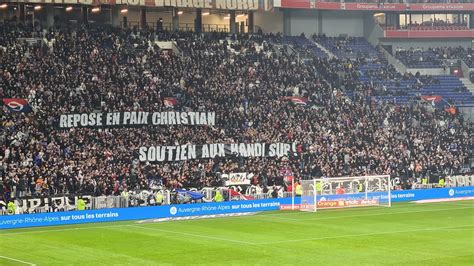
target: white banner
<point>460,181</point>
<point>237,179</point>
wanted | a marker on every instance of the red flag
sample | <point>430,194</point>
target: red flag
<point>451,110</point>
<point>17,105</point>
<point>170,101</point>
<point>432,98</point>
<point>234,193</point>
<point>296,99</point>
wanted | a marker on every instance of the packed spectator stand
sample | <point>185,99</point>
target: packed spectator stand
<point>436,24</point>
<point>433,57</point>
<point>340,130</point>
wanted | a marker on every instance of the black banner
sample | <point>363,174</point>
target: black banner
<point>215,150</point>
<point>131,119</point>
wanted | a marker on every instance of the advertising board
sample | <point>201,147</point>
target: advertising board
<point>139,213</point>
<point>199,209</point>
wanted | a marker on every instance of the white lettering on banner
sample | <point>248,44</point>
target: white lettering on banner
<point>462,192</point>
<point>167,153</point>
<point>31,204</point>
<point>136,119</point>
<point>237,179</point>
<point>442,7</point>
<point>460,181</point>
<point>214,150</point>
<point>219,4</point>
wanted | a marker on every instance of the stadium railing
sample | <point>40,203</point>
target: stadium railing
<point>143,198</point>
<point>44,204</point>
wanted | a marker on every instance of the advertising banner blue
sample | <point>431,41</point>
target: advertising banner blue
<point>199,209</point>
<point>414,194</point>
<point>139,213</point>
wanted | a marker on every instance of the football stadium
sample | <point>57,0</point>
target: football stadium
<point>237,132</point>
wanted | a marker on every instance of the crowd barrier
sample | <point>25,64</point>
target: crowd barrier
<point>199,209</point>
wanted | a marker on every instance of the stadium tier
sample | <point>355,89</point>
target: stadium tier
<point>144,112</point>
<point>88,107</point>
<point>433,58</point>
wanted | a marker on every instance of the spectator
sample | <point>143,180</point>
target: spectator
<point>243,81</point>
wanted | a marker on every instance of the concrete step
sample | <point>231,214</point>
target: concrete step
<point>469,85</point>
<point>392,60</point>
<point>466,80</point>
<point>330,55</point>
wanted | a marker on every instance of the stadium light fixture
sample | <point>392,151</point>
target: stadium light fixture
<point>69,8</point>
<point>3,6</point>
<point>180,13</point>
<point>124,10</point>
<point>37,8</point>
<point>95,9</point>
<point>206,13</point>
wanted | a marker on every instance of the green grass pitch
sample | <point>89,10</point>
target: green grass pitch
<point>405,234</point>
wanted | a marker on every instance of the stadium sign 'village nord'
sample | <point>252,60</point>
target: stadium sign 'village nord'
<point>209,4</point>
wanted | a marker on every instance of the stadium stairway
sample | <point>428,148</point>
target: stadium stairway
<point>322,48</point>
<point>304,46</point>
<point>469,85</point>
<point>449,87</point>
<point>349,48</point>
<point>392,60</point>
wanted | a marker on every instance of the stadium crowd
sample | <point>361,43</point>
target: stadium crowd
<point>413,57</point>
<point>243,79</point>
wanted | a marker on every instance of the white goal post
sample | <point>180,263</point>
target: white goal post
<point>345,192</point>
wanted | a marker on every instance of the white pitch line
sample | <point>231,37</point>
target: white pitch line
<point>194,235</point>
<point>61,230</point>
<point>368,215</point>
<point>21,261</point>
<point>361,235</point>
<point>397,206</point>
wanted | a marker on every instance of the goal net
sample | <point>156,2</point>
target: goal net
<point>345,192</point>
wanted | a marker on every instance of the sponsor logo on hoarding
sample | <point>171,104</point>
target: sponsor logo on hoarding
<point>451,192</point>
<point>330,204</point>
<point>173,210</point>
<point>443,7</point>
<point>286,207</point>
<point>198,209</point>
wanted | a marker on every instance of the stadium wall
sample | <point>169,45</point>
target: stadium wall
<point>372,31</point>
<point>200,209</point>
<point>337,23</point>
<point>428,71</point>
<point>303,21</point>
<point>331,23</point>
<point>269,21</point>
<point>152,16</point>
